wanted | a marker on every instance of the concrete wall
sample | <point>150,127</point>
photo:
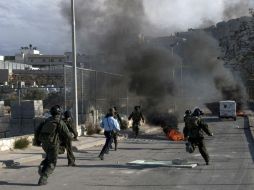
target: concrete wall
<point>4,75</point>
<point>27,109</point>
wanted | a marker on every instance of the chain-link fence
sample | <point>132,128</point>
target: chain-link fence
<point>97,91</point>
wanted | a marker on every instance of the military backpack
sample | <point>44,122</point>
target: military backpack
<point>49,132</point>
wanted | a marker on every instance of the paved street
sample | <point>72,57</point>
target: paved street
<point>231,151</point>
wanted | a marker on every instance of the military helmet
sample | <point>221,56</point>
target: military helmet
<point>136,107</point>
<point>55,110</point>
<point>187,112</point>
<point>197,112</point>
<point>67,114</point>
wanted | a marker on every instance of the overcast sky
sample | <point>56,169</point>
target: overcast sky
<point>40,23</point>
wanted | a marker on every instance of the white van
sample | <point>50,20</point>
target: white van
<point>227,109</point>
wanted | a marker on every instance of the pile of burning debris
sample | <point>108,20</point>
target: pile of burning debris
<point>168,122</point>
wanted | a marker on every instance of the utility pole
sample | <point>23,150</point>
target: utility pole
<point>74,66</point>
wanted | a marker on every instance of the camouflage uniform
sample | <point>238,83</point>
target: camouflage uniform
<point>49,133</point>
<point>194,131</point>
<point>68,144</point>
<point>136,117</point>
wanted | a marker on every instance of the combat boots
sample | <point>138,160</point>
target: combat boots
<point>72,164</point>
<point>101,157</point>
<point>42,181</point>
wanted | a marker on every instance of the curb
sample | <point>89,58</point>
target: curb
<point>251,120</point>
<point>251,124</point>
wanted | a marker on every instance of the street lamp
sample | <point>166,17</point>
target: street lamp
<point>74,62</point>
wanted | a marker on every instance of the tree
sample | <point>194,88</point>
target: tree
<point>54,98</point>
<point>35,94</point>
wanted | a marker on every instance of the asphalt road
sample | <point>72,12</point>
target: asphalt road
<point>231,168</point>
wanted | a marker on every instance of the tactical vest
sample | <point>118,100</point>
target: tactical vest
<point>193,127</point>
<point>136,117</point>
<point>49,132</point>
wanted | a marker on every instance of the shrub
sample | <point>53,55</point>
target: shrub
<point>98,129</point>
<point>93,129</point>
<point>34,94</point>
<point>90,129</point>
<point>21,143</point>
<point>124,124</point>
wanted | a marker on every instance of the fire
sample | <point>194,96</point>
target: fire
<point>241,113</point>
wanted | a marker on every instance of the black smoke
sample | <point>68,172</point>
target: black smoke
<point>116,28</point>
<point>236,8</point>
<point>200,52</point>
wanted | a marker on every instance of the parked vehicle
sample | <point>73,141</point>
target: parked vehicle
<point>227,109</point>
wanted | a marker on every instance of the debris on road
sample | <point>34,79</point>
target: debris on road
<point>174,163</point>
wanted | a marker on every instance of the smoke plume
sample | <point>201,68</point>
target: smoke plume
<point>236,8</point>
<point>200,52</point>
<point>160,78</point>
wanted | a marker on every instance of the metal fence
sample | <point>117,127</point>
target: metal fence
<point>97,91</point>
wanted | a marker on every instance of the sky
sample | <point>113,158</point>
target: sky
<point>41,23</point>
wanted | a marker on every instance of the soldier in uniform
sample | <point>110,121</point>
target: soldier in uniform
<point>194,133</point>
<point>68,144</point>
<point>136,117</point>
<point>48,134</point>
<point>186,120</point>
<point>70,124</point>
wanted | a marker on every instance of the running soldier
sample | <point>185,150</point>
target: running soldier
<point>48,134</point>
<point>194,133</point>
<point>136,117</point>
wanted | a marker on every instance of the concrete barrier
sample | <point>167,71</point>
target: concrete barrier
<point>8,143</point>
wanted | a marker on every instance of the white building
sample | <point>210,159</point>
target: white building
<point>37,61</point>
<point>26,51</point>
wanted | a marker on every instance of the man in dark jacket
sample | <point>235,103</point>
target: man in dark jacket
<point>194,132</point>
<point>49,133</point>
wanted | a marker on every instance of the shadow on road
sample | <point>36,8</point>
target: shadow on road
<point>118,166</point>
<point>16,184</point>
